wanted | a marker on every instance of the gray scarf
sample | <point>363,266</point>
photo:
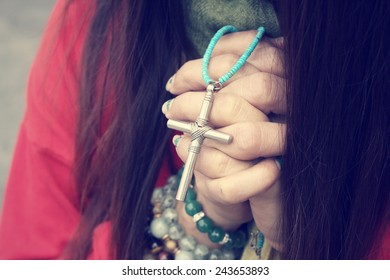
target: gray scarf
<point>204,17</point>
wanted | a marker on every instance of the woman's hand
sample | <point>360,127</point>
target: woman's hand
<point>230,178</point>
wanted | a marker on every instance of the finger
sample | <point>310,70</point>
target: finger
<point>210,162</point>
<point>240,186</point>
<point>189,76</point>
<point>238,42</point>
<point>227,109</point>
<point>252,140</point>
<point>267,56</point>
<point>264,91</point>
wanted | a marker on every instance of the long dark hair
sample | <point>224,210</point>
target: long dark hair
<point>132,49</point>
<point>336,174</point>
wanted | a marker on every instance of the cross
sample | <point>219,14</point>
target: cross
<point>199,130</point>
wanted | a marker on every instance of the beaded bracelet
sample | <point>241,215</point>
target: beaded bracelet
<point>205,225</point>
<point>166,237</point>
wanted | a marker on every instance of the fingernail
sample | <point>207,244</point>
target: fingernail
<point>170,82</point>
<point>176,140</point>
<point>279,162</point>
<point>167,105</point>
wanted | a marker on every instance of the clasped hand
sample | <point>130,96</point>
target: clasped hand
<point>236,182</point>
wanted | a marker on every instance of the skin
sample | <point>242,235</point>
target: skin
<point>232,184</point>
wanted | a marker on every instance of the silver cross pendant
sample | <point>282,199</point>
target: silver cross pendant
<point>199,130</point>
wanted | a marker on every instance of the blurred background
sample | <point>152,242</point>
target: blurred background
<point>21,25</point>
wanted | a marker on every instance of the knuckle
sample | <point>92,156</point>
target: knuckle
<point>223,164</point>
<point>247,140</point>
<point>236,107</point>
<point>275,56</point>
<point>269,177</point>
<point>250,34</point>
<point>231,105</point>
<point>266,84</point>
<point>273,53</point>
<point>279,85</point>
<point>181,109</point>
<point>182,75</point>
<point>271,89</point>
<point>275,89</point>
<point>226,61</point>
<point>271,98</point>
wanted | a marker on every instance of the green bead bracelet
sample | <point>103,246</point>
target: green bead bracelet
<point>205,225</point>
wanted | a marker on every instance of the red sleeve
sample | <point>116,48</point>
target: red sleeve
<point>39,212</point>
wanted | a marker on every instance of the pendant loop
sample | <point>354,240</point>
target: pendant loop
<point>214,86</point>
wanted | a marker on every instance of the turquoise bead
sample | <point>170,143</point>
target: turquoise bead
<point>205,225</point>
<point>216,234</point>
<point>260,241</point>
<point>191,195</point>
<point>193,207</point>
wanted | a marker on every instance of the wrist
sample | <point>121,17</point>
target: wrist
<point>221,214</point>
<point>203,224</point>
<point>183,231</point>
